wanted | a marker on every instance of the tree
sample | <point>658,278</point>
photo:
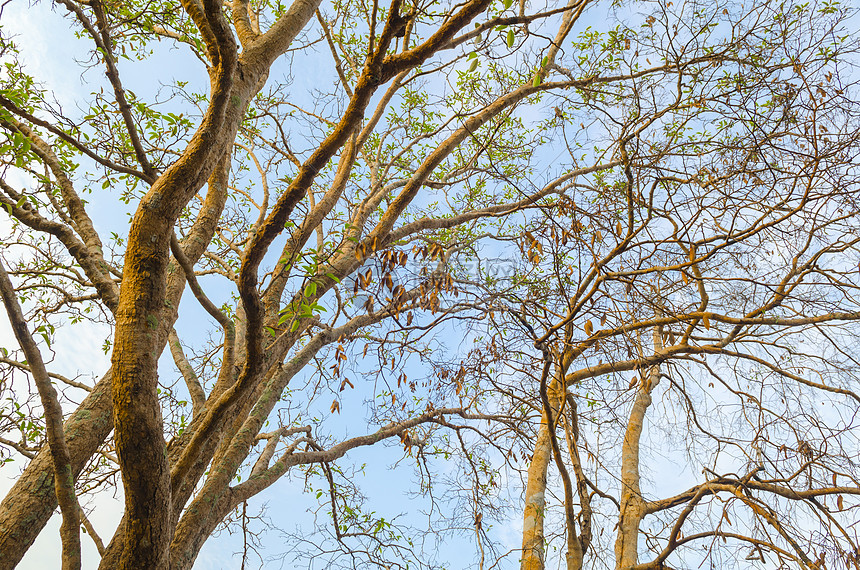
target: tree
<point>361,218</point>
<point>353,189</point>
<point>703,313</point>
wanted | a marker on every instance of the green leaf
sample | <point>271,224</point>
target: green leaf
<point>507,3</point>
<point>536,80</point>
<point>511,38</point>
<point>474,66</point>
<point>311,289</point>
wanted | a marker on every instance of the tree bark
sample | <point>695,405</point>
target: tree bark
<point>31,501</point>
<point>576,553</point>
<point>64,484</point>
<point>533,556</point>
<point>632,503</point>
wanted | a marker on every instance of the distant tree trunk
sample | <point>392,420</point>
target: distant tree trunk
<point>533,556</point>
<point>533,547</point>
<point>31,501</point>
<point>632,504</point>
<point>64,482</point>
<point>577,545</point>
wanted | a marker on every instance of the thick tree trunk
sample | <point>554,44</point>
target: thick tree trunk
<point>31,501</point>
<point>137,413</point>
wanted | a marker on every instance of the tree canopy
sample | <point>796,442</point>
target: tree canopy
<point>584,273</point>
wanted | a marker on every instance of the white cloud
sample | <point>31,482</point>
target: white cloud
<point>34,27</point>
